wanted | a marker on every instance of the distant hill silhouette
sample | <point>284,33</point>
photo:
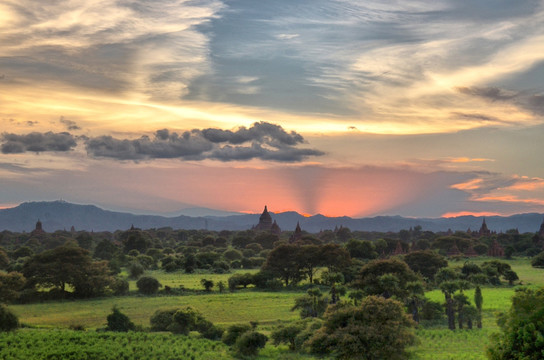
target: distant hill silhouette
<point>59,215</point>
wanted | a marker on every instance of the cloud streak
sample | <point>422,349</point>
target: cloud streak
<point>37,142</point>
<point>262,140</point>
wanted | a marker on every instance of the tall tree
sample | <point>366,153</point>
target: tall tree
<point>387,278</point>
<point>478,301</point>
<point>67,265</point>
<point>284,262</point>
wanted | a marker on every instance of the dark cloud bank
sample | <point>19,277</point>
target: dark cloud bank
<point>262,140</point>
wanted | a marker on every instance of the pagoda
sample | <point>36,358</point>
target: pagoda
<point>297,235</point>
<point>266,223</point>
<point>484,231</point>
<point>495,250</point>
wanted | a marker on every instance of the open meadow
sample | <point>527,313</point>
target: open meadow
<point>267,308</point>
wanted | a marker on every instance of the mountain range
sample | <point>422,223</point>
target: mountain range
<point>59,215</point>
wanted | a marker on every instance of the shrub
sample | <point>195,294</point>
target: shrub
<point>538,260</point>
<point>287,335</point>
<point>432,310</point>
<point>365,331</point>
<point>117,321</point>
<point>120,286</point>
<point>234,332</point>
<point>249,343</point>
<point>8,320</point>
<point>522,327</point>
<point>162,320</point>
<point>135,270</point>
<point>148,285</point>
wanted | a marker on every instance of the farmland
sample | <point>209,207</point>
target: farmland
<point>267,308</point>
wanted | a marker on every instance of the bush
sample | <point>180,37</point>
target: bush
<point>135,270</point>
<point>287,335</point>
<point>234,332</point>
<point>538,260</point>
<point>249,343</point>
<point>432,310</point>
<point>522,328</point>
<point>148,285</point>
<point>162,320</point>
<point>351,332</point>
<point>117,321</point>
<point>120,286</point>
<point>8,320</point>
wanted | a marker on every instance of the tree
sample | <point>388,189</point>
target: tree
<point>148,285</point>
<point>478,301</point>
<point>284,262</point>
<point>425,262</point>
<point>313,304</point>
<point>208,284</point>
<point>362,249</point>
<point>449,288</point>
<point>522,328</point>
<point>373,282</point>
<point>105,250</point>
<point>511,276</point>
<point>4,259</point>
<point>378,329</point>
<point>234,332</point>
<point>117,321</point>
<point>8,320</point>
<point>538,260</point>
<point>287,334</point>
<point>249,343</point>
<point>10,285</point>
<point>68,266</point>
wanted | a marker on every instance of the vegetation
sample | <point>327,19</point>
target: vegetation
<point>117,321</point>
<point>66,344</point>
<point>8,320</point>
<point>522,328</point>
<point>378,329</point>
<point>222,279</point>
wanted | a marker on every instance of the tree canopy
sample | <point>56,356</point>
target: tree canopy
<point>378,329</point>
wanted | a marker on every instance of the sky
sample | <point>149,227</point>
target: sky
<point>337,107</point>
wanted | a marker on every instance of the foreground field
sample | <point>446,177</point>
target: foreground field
<point>222,309</point>
<point>78,345</point>
<point>267,308</point>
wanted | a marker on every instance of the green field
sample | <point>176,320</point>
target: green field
<point>223,309</point>
<point>268,308</point>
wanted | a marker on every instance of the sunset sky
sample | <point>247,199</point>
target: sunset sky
<point>338,107</point>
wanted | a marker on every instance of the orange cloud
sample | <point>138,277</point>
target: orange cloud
<point>469,185</point>
<point>469,213</point>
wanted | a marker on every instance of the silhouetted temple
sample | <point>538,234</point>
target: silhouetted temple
<point>484,231</point>
<point>297,235</point>
<point>266,224</point>
<point>38,230</point>
<point>454,251</point>
<point>398,250</point>
<point>470,252</point>
<point>495,249</point>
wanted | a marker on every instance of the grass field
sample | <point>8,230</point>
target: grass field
<point>223,309</point>
<point>269,309</point>
<point>79,345</point>
<point>189,281</point>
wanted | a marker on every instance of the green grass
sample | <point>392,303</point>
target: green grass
<point>189,281</point>
<point>223,309</point>
<point>268,308</point>
<point>77,345</point>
